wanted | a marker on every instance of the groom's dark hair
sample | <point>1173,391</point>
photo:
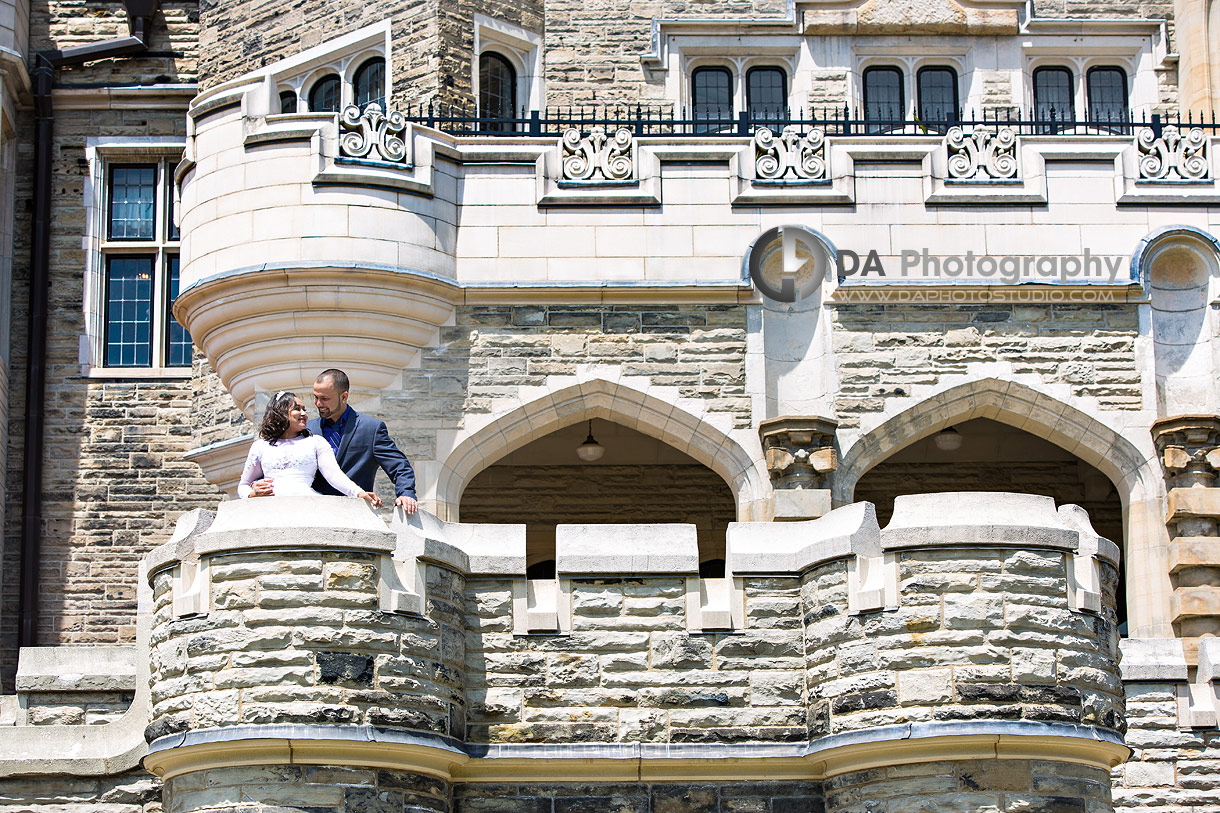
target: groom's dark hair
<point>337,377</point>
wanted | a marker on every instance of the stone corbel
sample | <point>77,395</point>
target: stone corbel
<point>192,586</point>
<point>872,582</point>
<point>800,457</point>
<point>715,604</point>
<point>1205,690</point>
<point>542,605</point>
<point>422,538</point>
<point>400,585</point>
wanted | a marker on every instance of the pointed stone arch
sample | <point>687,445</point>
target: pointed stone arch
<point>693,434</point>
<point>1135,472</point>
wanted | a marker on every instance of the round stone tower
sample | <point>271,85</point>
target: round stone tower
<point>296,661</point>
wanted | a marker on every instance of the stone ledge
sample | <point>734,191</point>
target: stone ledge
<point>1186,503</point>
<point>77,669</point>
<point>794,547</point>
<point>585,550</point>
<point>841,753</point>
<point>1152,660</point>
<point>982,518</point>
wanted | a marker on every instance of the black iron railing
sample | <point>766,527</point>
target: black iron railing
<point>651,121</point>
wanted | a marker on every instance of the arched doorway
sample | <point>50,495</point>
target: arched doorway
<point>639,479</point>
<point>981,454</point>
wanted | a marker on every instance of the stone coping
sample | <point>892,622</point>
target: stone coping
<point>940,521</point>
<point>643,550</point>
<point>76,669</point>
<point>175,754</point>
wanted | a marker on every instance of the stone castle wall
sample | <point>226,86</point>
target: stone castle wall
<point>885,350</point>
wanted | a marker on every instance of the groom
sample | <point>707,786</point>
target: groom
<point>361,442</point>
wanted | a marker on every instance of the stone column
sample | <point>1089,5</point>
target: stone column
<point>800,457</point>
<point>301,658</point>
<point>1189,448</point>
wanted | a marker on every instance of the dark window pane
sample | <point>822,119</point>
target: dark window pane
<point>883,98</point>
<point>133,202</point>
<point>937,96</point>
<point>325,96</point>
<point>767,95</point>
<point>177,340</point>
<point>497,91</point>
<point>171,210</point>
<point>712,99</point>
<point>129,287</point>
<point>288,102</point>
<point>1052,97</point>
<point>370,84</point>
<point>1107,95</point>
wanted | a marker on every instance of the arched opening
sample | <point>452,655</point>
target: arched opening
<point>637,480</point>
<point>986,455</point>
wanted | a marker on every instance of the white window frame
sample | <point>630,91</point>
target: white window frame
<point>523,50</point>
<point>909,65</point>
<point>101,154</point>
<point>341,56</point>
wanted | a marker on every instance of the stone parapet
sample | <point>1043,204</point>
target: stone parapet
<point>295,639</point>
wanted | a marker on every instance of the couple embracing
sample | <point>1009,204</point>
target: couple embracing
<point>338,452</point>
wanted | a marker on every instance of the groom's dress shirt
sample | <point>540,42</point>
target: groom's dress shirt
<point>333,430</point>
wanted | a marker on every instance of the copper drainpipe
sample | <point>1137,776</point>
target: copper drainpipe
<point>139,19</point>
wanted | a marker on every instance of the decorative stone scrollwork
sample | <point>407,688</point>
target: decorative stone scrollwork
<point>1173,156</point>
<point>799,451</point>
<point>373,134</point>
<point>802,156</point>
<point>983,154</point>
<point>598,156</point>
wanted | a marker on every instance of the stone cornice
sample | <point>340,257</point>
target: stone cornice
<point>836,754</point>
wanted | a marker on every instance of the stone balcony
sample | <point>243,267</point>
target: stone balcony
<point>362,233</point>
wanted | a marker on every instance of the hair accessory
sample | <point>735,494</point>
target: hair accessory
<point>277,395</point>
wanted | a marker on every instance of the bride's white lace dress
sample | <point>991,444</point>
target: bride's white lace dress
<point>292,464</point>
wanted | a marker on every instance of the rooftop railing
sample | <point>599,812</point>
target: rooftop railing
<point>653,121</point>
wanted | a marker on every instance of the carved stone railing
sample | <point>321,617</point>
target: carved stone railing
<point>1173,156</point>
<point>790,155</point>
<point>372,134</point>
<point>598,156</point>
<point>983,154</point>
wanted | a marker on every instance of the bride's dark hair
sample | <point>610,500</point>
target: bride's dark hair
<point>275,419</point>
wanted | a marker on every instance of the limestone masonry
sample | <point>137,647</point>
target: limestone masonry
<point>814,406</point>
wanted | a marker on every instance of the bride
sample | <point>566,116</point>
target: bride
<point>286,456</point>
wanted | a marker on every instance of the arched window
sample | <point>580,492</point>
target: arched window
<point>325,95</point>
<point>1053,98</point>
<point>883,98</point>
<point>1107,88</point>
<point>497,91</point>
<point>711,91</point>
<point>937,89</point>
<point>369,84</point>
<point>767,95</point>
<point>288,102</point>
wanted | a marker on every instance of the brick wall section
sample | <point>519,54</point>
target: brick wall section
<point>494,349</point>
<point>172,57</point>
<point>76,708</point>
<point>545,496</point>
<point>1172,768</point>
<point>884,350</point>
<point>114,485</point>
<point>302,640</point>
<point>131,792</point>
<point>215,417</point>
<point>696,797</point>
<point>630,672</point>
<point>598,47</point>
<point>1010,784</point>
<point>980,634</point>
<point>313,788</point>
